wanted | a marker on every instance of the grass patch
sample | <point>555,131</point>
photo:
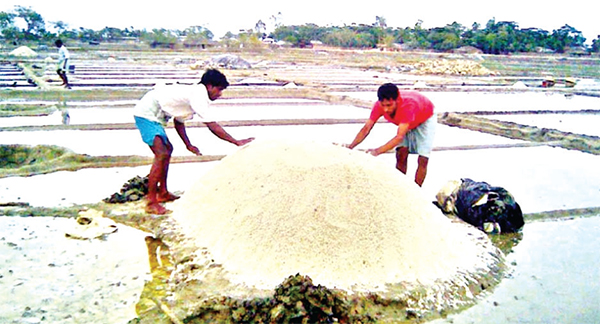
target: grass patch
<point>61,96</point>
<point>40,211</point>
<point>540,65</point>
<point>19,156</point>
<point>23,160</point>
<point>15,109</point>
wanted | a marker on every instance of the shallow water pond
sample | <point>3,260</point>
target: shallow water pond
<point>224,110</point>
<point>554,278</point>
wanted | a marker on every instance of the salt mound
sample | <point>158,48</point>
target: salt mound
<point>346,219</point>
<point>23,51</point>
<point>519,85</point>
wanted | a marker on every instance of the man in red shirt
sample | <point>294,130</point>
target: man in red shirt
<point>413,113</point>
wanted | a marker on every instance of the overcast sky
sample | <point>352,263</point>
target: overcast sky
<point>233,15</point>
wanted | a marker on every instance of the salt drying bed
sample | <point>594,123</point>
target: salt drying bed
<point>11,76</point>
<point>492,101</point>
<point>88,186</point>
<point>128,142</point>
<point>226,109</point>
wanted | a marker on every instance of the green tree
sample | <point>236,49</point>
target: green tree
<point>250,40</point>
<point>532,38</point>
<point>468,36</point>
<point>6,19</point>
<point>446,38</point>
<point>229,40</point>
<point>197,35</point>
<point>161,37</point>
<point>11,33</point>
<point>341,37</point>
<point>260,27</point>
<point>299,35</point>
<point>7,27</point>
<point>380,22</point>
<point>36,27</point>
<point>388,40</point>
<point>565,37</point>
<point>380,31</point>
<point>110,34</point>
<point>62,29</point>
<point>419,36</point>
<point>596,44</point>
<point>497,38</point>
<point>88,35</point>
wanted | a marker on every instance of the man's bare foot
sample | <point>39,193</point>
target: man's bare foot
<point>168,197</point>
<point>156,209</point>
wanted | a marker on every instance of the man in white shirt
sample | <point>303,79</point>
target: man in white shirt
<point>180,102</point>
<point>62,66</point>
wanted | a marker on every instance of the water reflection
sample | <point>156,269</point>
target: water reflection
<point>553,280</point>
<point>149,306</point>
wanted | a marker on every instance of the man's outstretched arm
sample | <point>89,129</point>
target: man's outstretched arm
<point>362,134</point>
<point>402,130</point>
<point>180,128</point>
<point>218,130</point>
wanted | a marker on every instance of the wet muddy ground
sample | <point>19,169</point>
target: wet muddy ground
<point>49,278</point>
<point>553,268</point>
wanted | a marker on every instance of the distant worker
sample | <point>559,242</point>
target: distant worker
<point>180,102</point>
<point>63,59</point>
<point>414,115</point>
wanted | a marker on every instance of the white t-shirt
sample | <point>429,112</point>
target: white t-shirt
<point>175,101</point>
<point>63,56</point>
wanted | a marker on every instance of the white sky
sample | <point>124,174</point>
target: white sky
<point>233,15</point>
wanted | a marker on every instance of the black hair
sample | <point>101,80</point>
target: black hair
<point>58,43</point>
<point>215,78</point>
<point>387,91</point>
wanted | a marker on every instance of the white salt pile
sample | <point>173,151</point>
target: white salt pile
<point>23,51</point>
<point>342,217</point>
<point>519,85</point>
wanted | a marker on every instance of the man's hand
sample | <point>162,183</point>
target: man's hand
<point>244,141</point>
<point>373,152</point>
<point>342,145</point>
<point>193,149</point>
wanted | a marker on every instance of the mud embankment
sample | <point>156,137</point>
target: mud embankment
<point>545,136</point>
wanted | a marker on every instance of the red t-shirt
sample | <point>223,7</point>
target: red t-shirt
<point>412,108</point>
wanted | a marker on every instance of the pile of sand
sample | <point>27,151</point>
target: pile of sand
<point>23,51</point>
<point>342,217</point>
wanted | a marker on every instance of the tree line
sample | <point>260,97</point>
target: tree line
<point>500,37</point>
<point>496,37</point>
